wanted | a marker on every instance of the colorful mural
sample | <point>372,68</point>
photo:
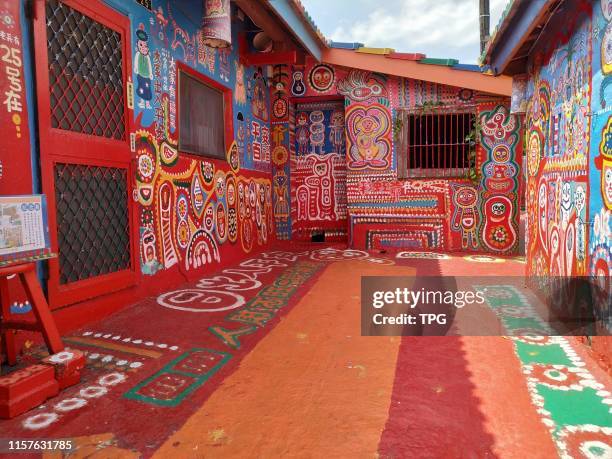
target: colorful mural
<point>191,211</point>
<point>420,214</point>
<point>318,171</point>
<point>558,148</point>
<point>600,158</point>
<point>282,135</point>
<point>500,138</point>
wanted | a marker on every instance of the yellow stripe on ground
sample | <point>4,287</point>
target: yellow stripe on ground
<point>112,346</point>
<point>313,387</point>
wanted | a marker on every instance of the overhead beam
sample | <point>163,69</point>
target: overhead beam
<point>516,32</point>
<point>258,14</point>
<point>295,22</point>
<point>501,85</point>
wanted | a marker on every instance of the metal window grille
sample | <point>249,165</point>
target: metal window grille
<point>92,221</point>
<point>435,144</point>
<point>85,73</point>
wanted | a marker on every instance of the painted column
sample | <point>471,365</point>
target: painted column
<point>15,161</point>
<point>217,24</point>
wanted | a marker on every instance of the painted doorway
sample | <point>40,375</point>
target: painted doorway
<point>82,65</point>
<point>318,172</point>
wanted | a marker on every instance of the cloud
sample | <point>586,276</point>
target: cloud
<point>439,28</point>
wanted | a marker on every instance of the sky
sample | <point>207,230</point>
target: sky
<point>437,28</point>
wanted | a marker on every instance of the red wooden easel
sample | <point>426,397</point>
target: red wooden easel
<point>44,323</point>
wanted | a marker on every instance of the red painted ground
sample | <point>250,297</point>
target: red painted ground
<point>302,382</point>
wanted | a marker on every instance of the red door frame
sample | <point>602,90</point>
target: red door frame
<point>61,146</point>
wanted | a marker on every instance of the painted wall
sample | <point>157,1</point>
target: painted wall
<point>421,214</point>
<point>558,136</point>
<point>15,153</point>
<point>16,148</point>
<point>195,213</point>
<point>318,171</point>
<point>569,148</point>
<point>567,122</point>
<point>600,156</point>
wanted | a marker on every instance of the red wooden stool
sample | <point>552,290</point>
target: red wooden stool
<point>44,320</point>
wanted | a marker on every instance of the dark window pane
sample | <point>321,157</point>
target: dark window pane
<point>438,142</point>
<point>201,117</point>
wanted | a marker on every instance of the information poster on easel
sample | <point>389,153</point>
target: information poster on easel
<point>24,232</point>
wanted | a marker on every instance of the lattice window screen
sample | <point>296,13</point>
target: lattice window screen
<point>85,73</point>
<point>92,221</point>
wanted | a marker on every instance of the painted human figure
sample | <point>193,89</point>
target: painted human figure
<point>566,203</point>
<point>302,134</point>
<point>259,108</point>
<point>214,8</point>
<point>542,214</point>
<point>367,128</point>
<point>148,253</point>
<point>143,69</point>
<point>240,135</point>
<point>303,198</point>
<point>336,131</point>
<point>326,203</point>
<point>367,131</point>
<point>239,90</point>
<point>317,131</point>
<point>465,216</point>
<point>281,204</point>
<point>224,64</point>
<point>298,88</point>
<point>318,200</point>
<point>579,204</point>
<point>555,256</point>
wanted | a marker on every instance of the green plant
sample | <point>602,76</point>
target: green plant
<point>398,124</point>
<point>428,107</point>
<point>473,139</point>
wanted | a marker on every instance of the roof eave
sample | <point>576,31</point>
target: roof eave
<point>513,33</point>
<point>440,74</point>
<point>294,22</point>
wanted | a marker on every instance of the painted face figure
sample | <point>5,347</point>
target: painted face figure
<point>607,183</point>
<point>606,9</point>
<point>466,197</point>
<point>555,266</point>
<point>337,119</point>
<point>321,78</point>
<point>143,47</point>
<point>214,7</point>
<point>603,162</point>
<point>579,198</point>
<point>606,50</point>
<point>498,210</point>
<point>148,247</point>
<point>302,119</point>
<point>542,201</point>
<point>566,202</point>
<point>498,232</point>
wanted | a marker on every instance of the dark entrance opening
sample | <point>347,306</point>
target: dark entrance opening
<point>317,236</point>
